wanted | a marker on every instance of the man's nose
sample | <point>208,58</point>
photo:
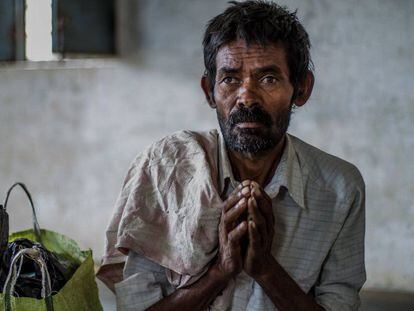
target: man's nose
<point>247,95</point>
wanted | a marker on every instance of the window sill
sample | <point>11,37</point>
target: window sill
<point>89,63</point>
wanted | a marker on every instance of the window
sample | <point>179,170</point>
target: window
<point>12,30</point>
<point>45,29</point>
<point>38,26</point>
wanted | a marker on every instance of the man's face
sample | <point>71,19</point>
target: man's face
<point>253,96</point>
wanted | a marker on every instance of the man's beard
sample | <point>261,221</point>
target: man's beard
<point>254,140</point>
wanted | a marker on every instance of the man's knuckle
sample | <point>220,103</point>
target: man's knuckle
<point>227,220</point>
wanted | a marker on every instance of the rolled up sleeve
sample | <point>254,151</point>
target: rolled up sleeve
<point>144,284</point>
<point>343,273</point>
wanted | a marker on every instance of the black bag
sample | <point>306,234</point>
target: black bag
<point>30,281</point>
<point>39,274</point>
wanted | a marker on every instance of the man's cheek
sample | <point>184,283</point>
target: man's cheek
<point>224,94</point>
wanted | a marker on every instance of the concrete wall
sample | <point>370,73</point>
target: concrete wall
<point>69,131</point>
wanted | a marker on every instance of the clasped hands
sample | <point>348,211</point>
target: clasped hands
<point>246,232</point>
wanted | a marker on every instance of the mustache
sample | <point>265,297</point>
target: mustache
<point>254,114</point>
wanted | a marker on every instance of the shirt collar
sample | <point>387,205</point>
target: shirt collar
<point>288,173</point>
<point>226,174</point>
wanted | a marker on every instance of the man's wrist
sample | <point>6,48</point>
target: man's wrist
<point>197,296</point>
<point>270,271</point>
<point>220,279</point>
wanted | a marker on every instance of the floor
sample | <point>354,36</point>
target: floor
<point>379,301</point>
<point>371,301</point>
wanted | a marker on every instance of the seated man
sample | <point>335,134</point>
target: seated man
<point>248,217</point>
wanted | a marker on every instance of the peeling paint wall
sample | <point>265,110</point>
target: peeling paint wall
<point>71,132</point>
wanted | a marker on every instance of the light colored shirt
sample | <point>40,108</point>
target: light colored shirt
<point>319,207</point>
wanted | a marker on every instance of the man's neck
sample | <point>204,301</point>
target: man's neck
<point>257,167</point>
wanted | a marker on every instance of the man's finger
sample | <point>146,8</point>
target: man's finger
<point>269,219</point>
<point>256,216</point>
<point>259,191</point>
<point>237,194</point>
<point>246,182</point>
<point>254,236</point>
<point>233,217</point>
<point>233,214</point>
<point>237,233</point>
<point>233,198</point>
<point>264,202</point>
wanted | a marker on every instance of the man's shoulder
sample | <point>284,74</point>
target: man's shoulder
<point>182,145</point>
<point>326,169</point>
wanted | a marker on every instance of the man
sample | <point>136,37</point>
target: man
<point>251,218</point>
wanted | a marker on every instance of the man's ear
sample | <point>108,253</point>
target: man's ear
<point>206,86</point>
<point>305,89</point>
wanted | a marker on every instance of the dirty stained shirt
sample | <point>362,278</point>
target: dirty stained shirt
<point>319,207</point>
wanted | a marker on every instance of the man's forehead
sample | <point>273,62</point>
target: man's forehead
<point>236,53</point>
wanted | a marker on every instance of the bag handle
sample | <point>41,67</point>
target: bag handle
<point>34,218</point>
<point>34,254</point>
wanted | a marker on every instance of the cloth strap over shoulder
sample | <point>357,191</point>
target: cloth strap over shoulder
<point>169,206</point>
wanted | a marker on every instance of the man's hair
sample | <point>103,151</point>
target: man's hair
<point>259,22</point>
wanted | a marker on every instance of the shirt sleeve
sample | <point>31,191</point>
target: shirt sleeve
<point>144,284</point>
<point>343,272</point>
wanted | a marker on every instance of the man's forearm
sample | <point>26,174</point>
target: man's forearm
<point>198,296</point>
<point>284,292</point>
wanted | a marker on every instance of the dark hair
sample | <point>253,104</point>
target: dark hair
<point>263,23</point>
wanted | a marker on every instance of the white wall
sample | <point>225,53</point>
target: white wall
<point>70,132</point>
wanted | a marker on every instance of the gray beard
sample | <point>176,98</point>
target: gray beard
<point>254,141</point>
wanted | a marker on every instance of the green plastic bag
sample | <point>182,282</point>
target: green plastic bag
<point>79,293</point>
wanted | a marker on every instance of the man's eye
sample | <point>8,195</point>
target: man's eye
<point>269,79</point>
<point>229,80</point>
